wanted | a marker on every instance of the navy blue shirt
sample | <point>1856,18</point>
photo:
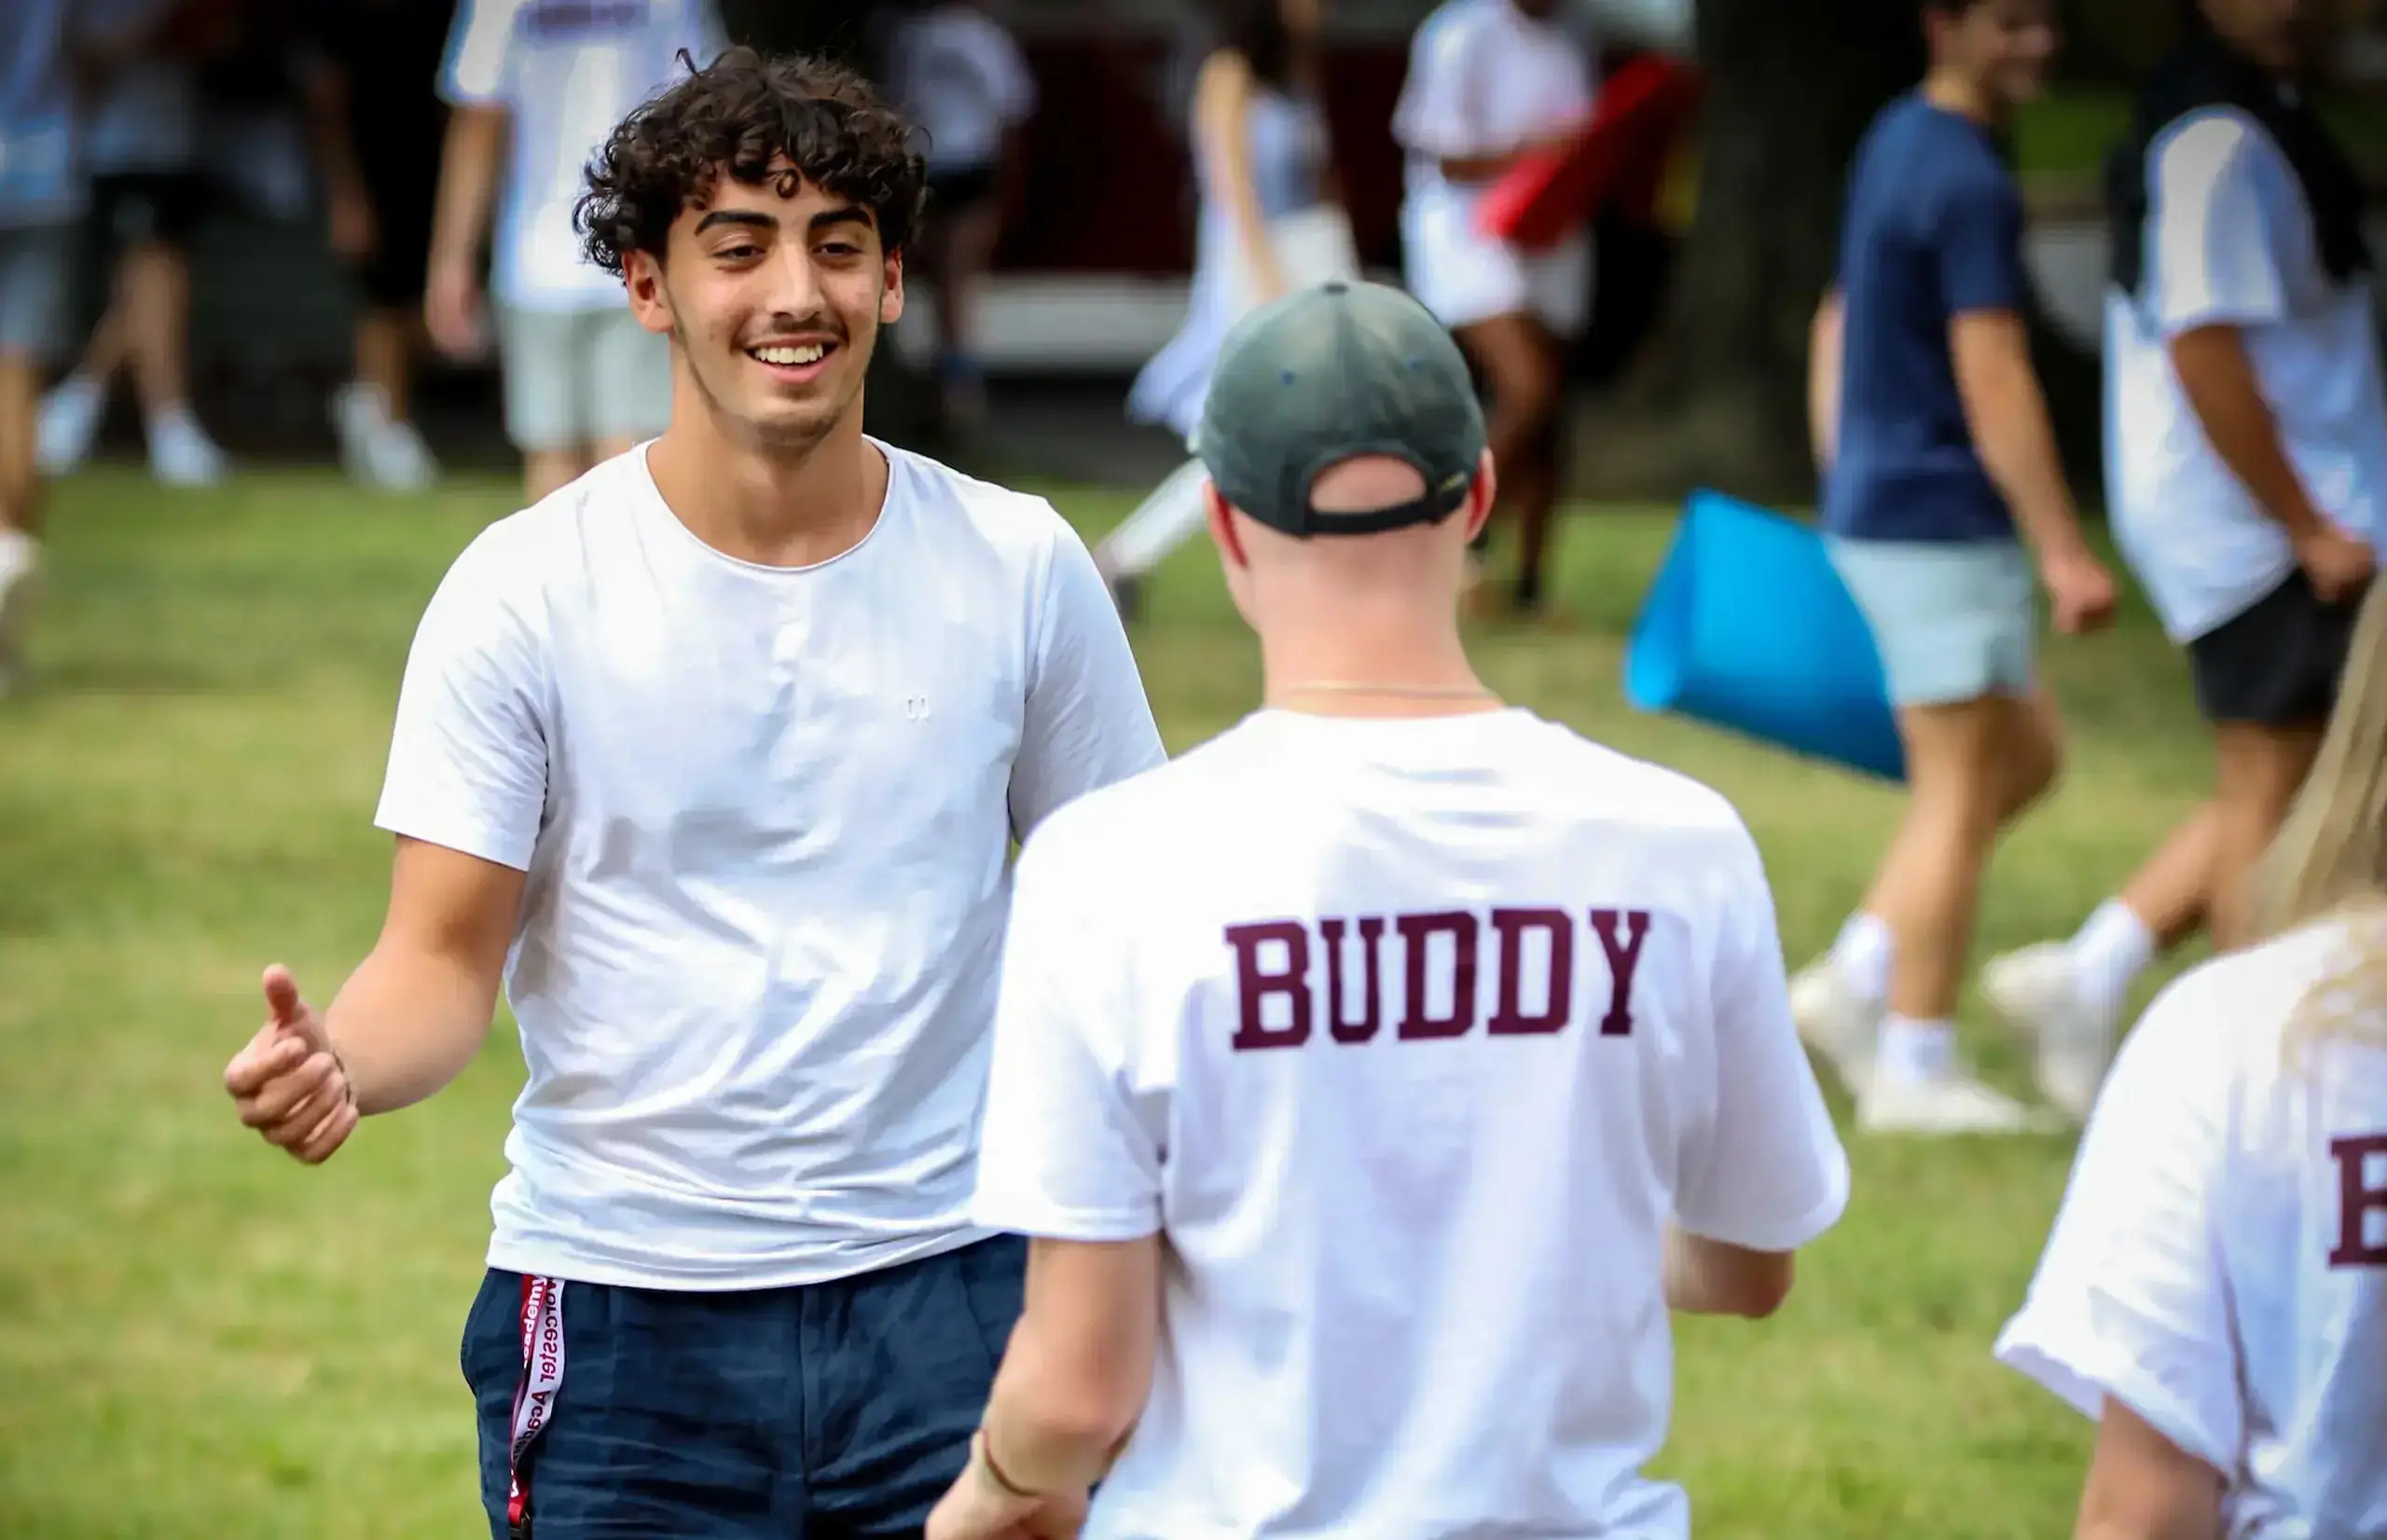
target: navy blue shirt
<point>1934,230</point>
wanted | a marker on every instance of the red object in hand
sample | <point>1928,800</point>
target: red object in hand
<point>1550,193</point>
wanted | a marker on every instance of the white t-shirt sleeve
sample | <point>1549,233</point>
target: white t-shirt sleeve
<point>477,71</point>
<point>1441,110</point>
<point>2130,1300</point>
<point>2215,259</point>
<point>1067,1150</point>
<point>1770,1173</point>
<point>468,755</point>
<point>1087,722</point>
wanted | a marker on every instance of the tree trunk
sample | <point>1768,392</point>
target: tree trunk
<point>1721,400</point>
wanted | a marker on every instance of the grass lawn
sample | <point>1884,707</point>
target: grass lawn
<point>199,1337</point>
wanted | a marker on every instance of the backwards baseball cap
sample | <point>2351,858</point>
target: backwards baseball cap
<point>1330,374</point>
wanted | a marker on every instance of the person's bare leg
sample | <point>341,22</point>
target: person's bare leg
<point>20,469</point>
<point>2170,892</point>
<point>385,357</point>
<point>1930,881</point>
<point>1522,367</point>
<point>156,326</point>
<point>544,471</point>
<point>2259,771</point>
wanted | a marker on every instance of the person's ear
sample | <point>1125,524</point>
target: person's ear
<point>1223,530</point>
<point>1482,495</point>
<point>650,298</point>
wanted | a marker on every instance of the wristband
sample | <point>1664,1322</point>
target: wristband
<point>995,1471</point>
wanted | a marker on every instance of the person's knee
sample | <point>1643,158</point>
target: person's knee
<point>2034,753</point>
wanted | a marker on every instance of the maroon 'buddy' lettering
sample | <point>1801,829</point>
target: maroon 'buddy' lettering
<point>2359,1197</point>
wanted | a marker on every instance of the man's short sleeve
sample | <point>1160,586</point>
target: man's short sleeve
<point>468,755</point>
<point>1440,112</point>
<point>1770,1173</point>
<point>2210,239</point>
<point>2129,1300</point>
<point>1068,1151</point>
<point>1980,245</point>
<point>1087,722</point>
<point>478,69</point>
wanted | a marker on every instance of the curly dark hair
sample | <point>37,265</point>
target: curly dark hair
<point>735,117</point>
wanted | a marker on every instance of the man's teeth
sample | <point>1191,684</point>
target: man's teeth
<point>792,357</point>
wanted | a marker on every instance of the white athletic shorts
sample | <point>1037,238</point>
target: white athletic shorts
<point>1463,276</point>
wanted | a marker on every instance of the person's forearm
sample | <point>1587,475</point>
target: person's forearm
<point>1824,382</point>
<point>406,1024</point>
<point>2016,445</point>
<point>468,173</point>
<point>2218,381</point>
<point>1042,1435</point>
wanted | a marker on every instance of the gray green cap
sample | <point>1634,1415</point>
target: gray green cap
<point>1329,374</point>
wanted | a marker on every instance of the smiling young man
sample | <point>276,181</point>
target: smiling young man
<point>714,758</point>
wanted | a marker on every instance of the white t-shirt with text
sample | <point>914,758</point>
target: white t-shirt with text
<point>2229,241</point>
<point>2219,1265</point>
<point>766,814</point>
<point>1410,1036</point>
<point>567,72</point>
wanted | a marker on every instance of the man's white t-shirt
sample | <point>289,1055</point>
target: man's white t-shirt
<point>766,814</point>
<point>1410,1036</point>
<point>2229,241</point>
<point>567,72</point>
<point>961,76</point>
<point>2219,1265</point>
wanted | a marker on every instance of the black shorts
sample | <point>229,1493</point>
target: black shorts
<point>960,190</point>
<point>2276,663</point>
<point>161,206</point>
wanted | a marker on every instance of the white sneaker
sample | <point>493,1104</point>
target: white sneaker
<point>1953,1104</point>
<point>68,425</point>
<point>376,451</point>
<point>2037,994</point>
<point>1836,1020</point>
<point>181,454</point>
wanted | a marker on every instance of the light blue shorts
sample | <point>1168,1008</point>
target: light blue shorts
<point>575,378</point>
<point>1953,620</point>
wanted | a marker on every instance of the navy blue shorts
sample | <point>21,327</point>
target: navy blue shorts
<point>837,1409</point>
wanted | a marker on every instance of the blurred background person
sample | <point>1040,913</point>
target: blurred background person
<point>961,76</point>
<point>534,87</point>
<point>148,193</point>
<point>2246,468</point>
<point>41,197</point>
<point>375,124</point>
<point>1490,82</point>
<point>1264,163</point>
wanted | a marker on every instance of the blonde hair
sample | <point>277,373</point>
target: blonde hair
<point>2329,860</point>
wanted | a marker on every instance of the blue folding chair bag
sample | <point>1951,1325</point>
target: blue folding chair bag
<point>1748,628</point>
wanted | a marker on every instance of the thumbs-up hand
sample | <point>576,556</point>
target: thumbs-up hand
<point>288,1083</point>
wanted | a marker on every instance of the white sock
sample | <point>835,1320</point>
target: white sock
<point>17,553</point>
<point>1914,1052</point>
<point>1165,520</point>
<point>1861,955</point>
<point>2111,950</point>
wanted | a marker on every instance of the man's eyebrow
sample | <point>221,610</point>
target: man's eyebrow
<point>735,216</point>
<point>852,213</point>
